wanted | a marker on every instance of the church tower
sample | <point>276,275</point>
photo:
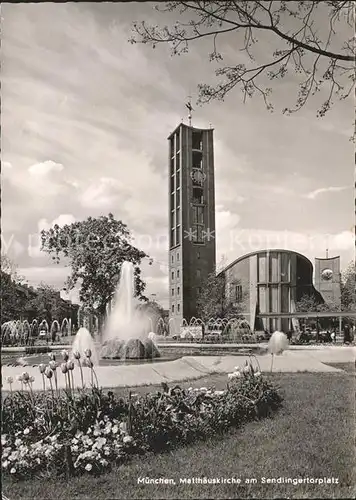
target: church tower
<point>192,249</point>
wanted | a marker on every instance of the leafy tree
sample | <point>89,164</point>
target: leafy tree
<point>95,249</point>
<point>48,304</point>
<point>216,300</point>
<point>315,39</point>
<point>14,293</point>
<point>348,288</point>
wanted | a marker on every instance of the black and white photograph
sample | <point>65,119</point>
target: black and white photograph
<point>178,236</point>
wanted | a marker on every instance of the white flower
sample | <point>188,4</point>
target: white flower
<point>203,389</point>
<point>257,374</point>
<point>75,441</point>
<point>278,343</point>
<point>115,429</point>
<point>13,471</point>
<point>127,439</point>
<point>233,375</point>
<point>3,440</point>
<point>247,369</point>
<point>5,464</point>
<point>219,393</point>
<point>26,431</point>
<point>18,442</point>
<point>123,427</point>
<point>75,447</point>
<point>88,467</point>
<point>38,460</point>
<point>104,462</point>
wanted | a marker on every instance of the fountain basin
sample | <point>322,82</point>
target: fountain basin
<point>130,349</point>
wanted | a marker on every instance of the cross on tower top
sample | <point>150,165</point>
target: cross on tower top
<point>190,109</point>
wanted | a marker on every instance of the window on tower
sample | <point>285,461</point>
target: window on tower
<point>178,140</point>
<point>172,201</point>
<point>172,292</point>
<point>178,178</point>
<point>177,197</point>
<point>178,161</point>
<point>171,146</point>
<point>177,273</point>
<point>178,235</point>
<point>173,308</point>
<point>172,166</point>
<point>198,215</point>
<point>197,140</point>
<point>172,183</point>
<point>198,234</point>
<point>172,219</point>
<point>172,242</point>
<point>178,216</point>
<point>198,195</point>
<point>178,307</point>
<point>197,159</point>
<point>178,291</point>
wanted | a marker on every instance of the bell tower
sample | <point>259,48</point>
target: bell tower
<point>192,249</point>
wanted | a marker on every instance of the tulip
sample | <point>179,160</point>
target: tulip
<point>64,368</point>
<point>42,367</point>
<point>88,353</point>
<point>257,374</point>
<point>19,378</point>
<point>277,344</point>
<point>65,355</point>
<point>127,439</point>
<point>76,354</point>
<point>9,380</point>
<point>32,379</point>
<point>246,369</point>
<point>48,372</point>
<point>52,356</point>
<point>53,365</point>
<point>70,365</point>
<point>25,377</point>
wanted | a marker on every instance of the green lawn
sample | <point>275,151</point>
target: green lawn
<point>312,436</point>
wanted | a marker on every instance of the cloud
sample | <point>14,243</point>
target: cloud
<point>34,240</point>
<point>103,194</point>
<point>45,168</point>
<point>314,194</point>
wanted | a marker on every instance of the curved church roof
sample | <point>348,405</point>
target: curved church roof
<point>257,252</point>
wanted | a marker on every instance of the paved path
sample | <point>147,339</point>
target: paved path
<point>192,367</point>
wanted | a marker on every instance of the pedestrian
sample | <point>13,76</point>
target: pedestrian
<point>347,334</point>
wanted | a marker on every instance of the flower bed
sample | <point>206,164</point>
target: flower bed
<point>80,430</point>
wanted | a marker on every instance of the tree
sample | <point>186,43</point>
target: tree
<point>14,293</point>
<point>306,36</point>
<point>95,249</point>
<point>348,288</point>
<point>216,300</point>
<point>48,304</point>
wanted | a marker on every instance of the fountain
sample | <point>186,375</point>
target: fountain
<point>83,341</point>
<point>126,332</point>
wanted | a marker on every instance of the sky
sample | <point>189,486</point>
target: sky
<point>85,121</point>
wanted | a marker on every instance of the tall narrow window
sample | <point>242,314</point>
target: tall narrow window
<point>178,198</point>
<point>172,275</point>
<point>173,308</point>
<point>172,292</point>
<point>178,307</point>
<point>178,257</point>
<point>178,291</point>
<point>172,259</point>
<point>177,273</point>
<point>197,140</point>
<point>178,235</point>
